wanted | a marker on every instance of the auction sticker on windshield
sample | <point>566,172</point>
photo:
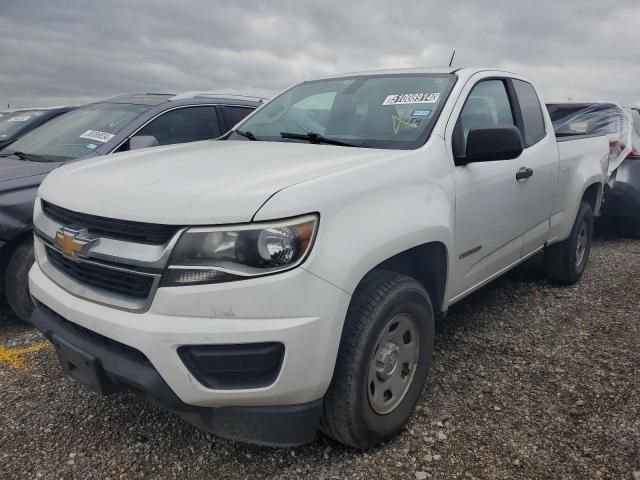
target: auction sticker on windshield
<point>97,136</point>
<point>22,118</point>
<point>411,98</point>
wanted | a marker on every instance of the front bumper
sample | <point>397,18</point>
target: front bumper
<point>108,367</point>
<point>295,308</point>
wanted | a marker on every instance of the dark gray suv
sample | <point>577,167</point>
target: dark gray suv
<point>121,123</point>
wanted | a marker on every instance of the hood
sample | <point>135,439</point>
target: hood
<point>12,168</point>
<point>210,182</point>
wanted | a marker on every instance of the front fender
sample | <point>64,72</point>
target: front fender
<point>370,213</point>
<point>16,206</point>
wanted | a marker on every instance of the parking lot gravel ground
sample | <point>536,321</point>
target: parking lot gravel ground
<point>530,380</point>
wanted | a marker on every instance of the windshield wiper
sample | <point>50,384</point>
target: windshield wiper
<point>316,138</point>
<point>248,134</point>
<point>25,156</point>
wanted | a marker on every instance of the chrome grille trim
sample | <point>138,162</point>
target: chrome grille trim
<point>133,258</point>
<point>97,295</point>
<point>145,256</point>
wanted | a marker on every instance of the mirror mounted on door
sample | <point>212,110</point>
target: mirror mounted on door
<point>142,141</point>
<point>497,142</point>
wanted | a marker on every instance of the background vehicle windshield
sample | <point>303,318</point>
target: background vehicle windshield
<point>590,119</point>
<point>77,133</point>
<point>392,111</point>
<point>12,123</point>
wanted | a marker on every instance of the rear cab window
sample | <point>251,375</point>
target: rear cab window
<point>531,109</point>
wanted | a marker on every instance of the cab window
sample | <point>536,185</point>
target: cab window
<point>234,114</point>
<point>532,117</point>
<point>182,125</point>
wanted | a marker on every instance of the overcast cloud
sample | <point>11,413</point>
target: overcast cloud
<point>70,52</point>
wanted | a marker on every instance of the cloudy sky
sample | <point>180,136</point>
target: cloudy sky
<point>70,52</point>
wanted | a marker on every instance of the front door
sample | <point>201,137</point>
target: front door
<point>488,223</point>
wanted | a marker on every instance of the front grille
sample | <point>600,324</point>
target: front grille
<point>127,230</point>
<point>124,283</point>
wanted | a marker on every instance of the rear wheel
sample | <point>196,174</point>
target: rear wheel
<point>567,260</point>
<point>16,280</point>
<point>383,361</point>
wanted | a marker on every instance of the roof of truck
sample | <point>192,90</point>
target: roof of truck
<point>417,70</point>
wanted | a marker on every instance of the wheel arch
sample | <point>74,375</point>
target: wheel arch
<point>427,263</point>
<point>593,196</point>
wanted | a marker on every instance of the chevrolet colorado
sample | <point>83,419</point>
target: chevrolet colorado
<point>288,278</point>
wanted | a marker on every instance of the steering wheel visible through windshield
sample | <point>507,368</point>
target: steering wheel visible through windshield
<point>377,111</point>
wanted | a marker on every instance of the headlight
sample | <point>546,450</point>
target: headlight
<point>224,254</point>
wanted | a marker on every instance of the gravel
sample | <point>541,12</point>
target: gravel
<point>531,380</point>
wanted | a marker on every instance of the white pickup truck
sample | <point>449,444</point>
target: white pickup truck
<point>287,278</point>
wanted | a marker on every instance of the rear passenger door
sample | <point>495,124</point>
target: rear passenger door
<point>184,124</point>
<point>540,157</point>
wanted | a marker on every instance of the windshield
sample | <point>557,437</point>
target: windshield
<point>77,133</point>
<point>12,123</point>
<point>589,119</point>
<point>379,111</point>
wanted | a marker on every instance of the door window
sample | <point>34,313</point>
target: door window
<point>182,125</point>
<point>233,115</point>
<point>488,104</point>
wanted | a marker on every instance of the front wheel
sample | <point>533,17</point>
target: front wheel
<point>384,357</point>
<point>16,281</point>
<point>567,260</point>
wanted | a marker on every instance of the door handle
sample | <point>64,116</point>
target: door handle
<point>524,173</point>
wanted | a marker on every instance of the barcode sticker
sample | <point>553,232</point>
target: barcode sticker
<point>411,98</point>
<point>97,136</point>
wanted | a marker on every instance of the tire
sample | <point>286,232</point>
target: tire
<point>628,228</point>
<point>16,280</point>
<point>563,261</point>
<point>349,415</point>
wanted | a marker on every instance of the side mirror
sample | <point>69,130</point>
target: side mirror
<point>142,141</point>
<point>497,142</point>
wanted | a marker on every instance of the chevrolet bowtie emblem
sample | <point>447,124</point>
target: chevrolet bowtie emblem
<point>75,241</point>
